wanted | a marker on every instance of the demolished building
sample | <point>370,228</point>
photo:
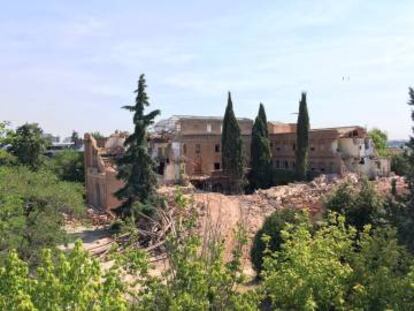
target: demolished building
<point>189,148</point>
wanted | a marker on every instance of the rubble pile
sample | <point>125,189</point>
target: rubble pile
<point>256,207</point>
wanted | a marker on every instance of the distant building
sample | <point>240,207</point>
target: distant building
<point>190,147</point>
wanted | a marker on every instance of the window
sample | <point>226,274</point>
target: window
<point>209,128</point>
<point>184,149</point>
<point>286,164</point>
<point>294,147</point>
<point>312,148</point>
<point>217,148</point>
<point>216,166</point>
<point>178,127</point>
<point>278,148</point>
<point>277,164</point>
<point>293,164</point>
<point>197,148</point>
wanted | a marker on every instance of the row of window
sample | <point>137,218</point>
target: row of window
<point>314,167</point>
<point>217,148</point>
<point>279,147</point>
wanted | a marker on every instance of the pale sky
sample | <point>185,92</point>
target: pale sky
<point>72,64</point>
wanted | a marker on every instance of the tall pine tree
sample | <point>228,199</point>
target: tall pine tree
<point>302,140</point>
<point>260,174</point>
<point>232,150</point>
<point>135,167</point>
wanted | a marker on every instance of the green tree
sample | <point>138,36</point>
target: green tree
<point>302,140</point>
<point>232,149</point>
<point>32,204</point>
<point>361,204</point>
<point>400,163</point>
<point>135,167</point>
<point>75,139</point>
<point>68,165</point>
<point>271,229</point>
<point>28,145</point>
<point>333,270</point>
<point>97,135</point>
<point>309,273</point>
<point>261,168</point>
<point>71,281</point>
<point>410,146</point>
<point>380,140</point>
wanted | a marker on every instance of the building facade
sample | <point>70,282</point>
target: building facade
<point>189,147</point>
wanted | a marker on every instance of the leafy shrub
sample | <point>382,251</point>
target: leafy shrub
<point>72,282</point>
<point>31,207</point>
<point>68,165</point>
<point>400,164</point>
<point>332,270</point>
<point>360,204</point>
<point>272,227</point>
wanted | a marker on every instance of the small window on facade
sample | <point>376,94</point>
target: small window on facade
<point>286,164</point>
<point>197,148</point>
<point>278,148</point>
<point>216,166</point>
<point>277,164</point>
<point>209,128</point>
<point>184,149</point>
<point>271,145</point>
<point>178,127</point>
<point>293,164</point>
<point>217,148</point>
<point>294,147</point>
<point>312,148</point>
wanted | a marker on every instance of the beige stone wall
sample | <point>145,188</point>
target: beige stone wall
<point>202,153</point>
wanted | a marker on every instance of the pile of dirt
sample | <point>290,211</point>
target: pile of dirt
<point>223,212</point>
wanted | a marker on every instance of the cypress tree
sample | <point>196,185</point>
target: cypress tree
<point>232,149</point>
<point>410,146</point>
<point>302,140</point>
<point>135,167</point>
<point>260,174</point>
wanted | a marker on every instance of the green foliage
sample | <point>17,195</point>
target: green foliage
<point>135,167</point>
<point>72,282</point>
<point>380,140</point>
<point>232,149</point>
<point>97,135</point>
<point>309,273</point>
<point>382,274</point>
<point>400,164</point>
<point>302,141</point>
<point>31,207</point>
<point>261,158</point>
<point>68,165</point>
<point>269,236</point>
<point>332,270</point>
<point>361,205</point>
<point>7,159</point>
<point>28,145</point>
